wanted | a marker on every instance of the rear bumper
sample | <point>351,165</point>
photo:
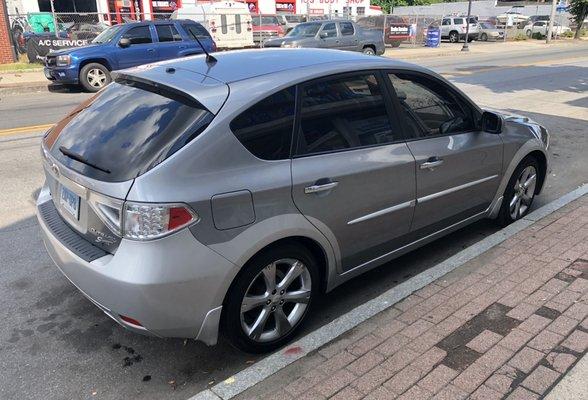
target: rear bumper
<point>172,286</point>
<point>67,75</point>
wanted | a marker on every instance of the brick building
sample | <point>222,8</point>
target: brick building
<point>6,49</point>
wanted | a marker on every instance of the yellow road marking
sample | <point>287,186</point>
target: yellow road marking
<point>24,129</point>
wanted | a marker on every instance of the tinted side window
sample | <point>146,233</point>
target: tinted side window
<point>167,33</point>
<point>224,28</point>
<point>138,35</point>
<point>265,128</point>
<point>457,21</point>
<point>346,28</point>
<point>238,23</point>
<point>343,113</point>
<point>329,29</point>
<point>446,22</point>
<point>195,30</point>
<point>431,106</point>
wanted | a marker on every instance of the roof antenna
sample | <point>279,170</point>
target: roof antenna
<point>209,59</point>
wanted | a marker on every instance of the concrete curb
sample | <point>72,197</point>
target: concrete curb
<point>574,385</point>
<point>271,364</point>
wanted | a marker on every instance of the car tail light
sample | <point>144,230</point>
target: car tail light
<point>249,26</point>
<point>146,221</point>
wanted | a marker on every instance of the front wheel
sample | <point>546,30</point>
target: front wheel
<point>520,192</point>
<point>94,76</point>
<point>453,37</point>
<point>270,298</point>
<point>484,37</point>
<point>369,51</point>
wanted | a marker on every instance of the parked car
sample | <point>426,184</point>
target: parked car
<point>266,27</point>
<point>124,46</point>
<point>176,202</point>
<point>341,35</point>
<point>454,29</point>
<point>490,32</point>
<point>228,22</point>
<point>289,21</point>
<point>514,15</point>
<point>540,28</point>
<point>535,18</point>
<point>396,29</point>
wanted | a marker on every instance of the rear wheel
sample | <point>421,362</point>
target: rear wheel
<point>270,298</point>
<point>484,37</point>
<point>453,37</point>
<point>520,192</point>
<point>94,76</point>
<point>369,51</point>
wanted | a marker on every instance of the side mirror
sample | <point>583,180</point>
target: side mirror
<point>124,43</point>
<point>323,35</point>
<point>491,122</point>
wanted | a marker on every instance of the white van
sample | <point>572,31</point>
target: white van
<point>228,22</point>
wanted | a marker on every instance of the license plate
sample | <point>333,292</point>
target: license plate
<point>70,202</point>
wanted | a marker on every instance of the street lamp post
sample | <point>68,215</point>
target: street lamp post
<point>467,35</point>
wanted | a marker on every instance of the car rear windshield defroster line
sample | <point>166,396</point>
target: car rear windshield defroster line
<point>128,128</point>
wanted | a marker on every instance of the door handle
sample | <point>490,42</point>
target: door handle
<point>182,47</point>
<point>151,50</point>
<point>431,163</point>
<point>320,188</point>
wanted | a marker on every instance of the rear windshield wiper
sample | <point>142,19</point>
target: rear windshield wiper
<point>77,157</point>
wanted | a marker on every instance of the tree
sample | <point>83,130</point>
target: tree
<point>579,11</point>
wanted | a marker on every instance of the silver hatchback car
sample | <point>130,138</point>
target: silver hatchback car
<point>189,197</point>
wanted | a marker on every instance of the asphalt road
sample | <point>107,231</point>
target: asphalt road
<point>54,344</point>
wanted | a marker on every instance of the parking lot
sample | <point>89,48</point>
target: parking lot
<point>56,344</point>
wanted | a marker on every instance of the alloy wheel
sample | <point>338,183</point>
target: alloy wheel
<point>453,38</point>
<point>524,191</point>
<point>276,300</point>
<point>96,77</point>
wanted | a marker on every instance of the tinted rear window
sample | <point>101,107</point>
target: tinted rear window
<point>127,129</point>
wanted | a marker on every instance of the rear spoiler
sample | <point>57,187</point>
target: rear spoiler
<point>187,86</point>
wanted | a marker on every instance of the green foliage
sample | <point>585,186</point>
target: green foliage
<point>520,36</point>
<point>579,11</point>
<point>567,34</point>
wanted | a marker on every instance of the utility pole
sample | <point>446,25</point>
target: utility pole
<point>54,19</point>
<point>465,45</point>
<point>551,18</point>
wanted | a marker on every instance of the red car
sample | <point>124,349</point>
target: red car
<point>266,27</point>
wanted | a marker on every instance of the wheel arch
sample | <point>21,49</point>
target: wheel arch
<point>542,161</point>
<point>530,149</point>
<point>371,46</point>
<point>98,60</point>
<point>315,248</point>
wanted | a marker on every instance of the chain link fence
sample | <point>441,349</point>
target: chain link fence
<point>34,34</point>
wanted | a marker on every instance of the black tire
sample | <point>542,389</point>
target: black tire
<point>529,33</point>
<point>231,318</point>
<point>369,51</point>
<point>92,68</point>
<point>396,44</point>
<point>504,216</point>
<point>453,37</point>
<point>484,37</point>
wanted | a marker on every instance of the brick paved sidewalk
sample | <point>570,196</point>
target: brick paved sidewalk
<point>507,324</point>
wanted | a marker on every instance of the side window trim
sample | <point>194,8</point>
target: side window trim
<point>473,108</point>
<point>150,27</point>
<point>390,111</point>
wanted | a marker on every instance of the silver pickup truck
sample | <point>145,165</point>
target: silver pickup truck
<point>342,35</point>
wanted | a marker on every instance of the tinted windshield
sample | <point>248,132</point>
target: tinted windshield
<point>108,34</point>
<point>304,30</point>
<point>294,18</point>
<point>256,20</point>
<point>127,129</point>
